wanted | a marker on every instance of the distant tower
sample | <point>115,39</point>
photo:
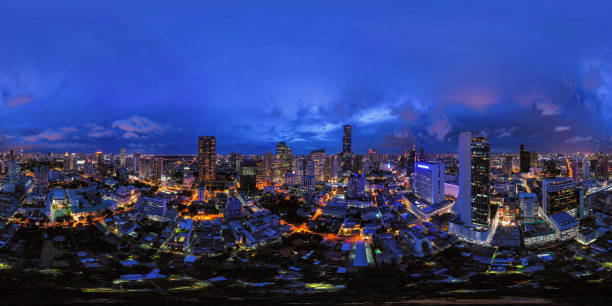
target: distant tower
<point>66,161</point>
<point>122,160</point>
<point>99,159</point>
<point>346,139</point>
<point>158,168</point>
<point>207,157</point>
<point>136,162</point>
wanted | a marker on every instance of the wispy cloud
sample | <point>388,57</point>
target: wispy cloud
<point>19,99</point>
<point>562,128</point>
<point>135,125</point>
<point>51,134</point>
<point>547,108</point>
<point>578,139</point>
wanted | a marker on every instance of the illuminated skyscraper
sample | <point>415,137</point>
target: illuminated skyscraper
<point>122,158</point>
<point>318,158</point>
<point>66,161</point>
<point>346,139</point>
<point>73,165</point>
<point>158,168</point>
<point>136,162</point>
<point>411,160</point>
<point>99,159</point>
<point>284,153</point>
<point>207,157</point>
<point>474,168</point>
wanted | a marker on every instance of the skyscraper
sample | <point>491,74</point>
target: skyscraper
<point>248,176</point>
<point>474,168</point>
<point>207,157</point>
<point>525,162</point>
<point>284,153</point>
<point>66,161</point>
<point>318,158</point>
<point>411,160</point>
<point>136,162</point>
<point>122,158</point>
<point>346,139</point>
<point>99,159</point>
<point>158,168</point>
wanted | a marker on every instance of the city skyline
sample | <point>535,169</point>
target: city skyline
<point>151,80</point>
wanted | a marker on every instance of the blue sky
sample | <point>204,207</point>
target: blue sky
<point>151,77</point>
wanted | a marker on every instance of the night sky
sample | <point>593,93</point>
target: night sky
<point>84,76</point>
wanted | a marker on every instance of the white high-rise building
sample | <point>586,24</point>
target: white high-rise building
<point>465,178</point>
<point>429,181</point>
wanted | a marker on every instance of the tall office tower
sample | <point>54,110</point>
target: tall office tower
<point>528,203</point>
<point>559,195</point>
<point>158,168</point>
<point>327,169</point>
<point>73,164</point>
<point>525,160</point>
<point>347,154</point>
<point>585,168</point>
<point>136,162</point>
<point>429,181</point>
<point>207,157</point>
<point>318,158</point>
<point>277,170</point>
<point>248,176</point>
<point>66,161</point>
<point>507,166</point>
<point>421,154</point>
<point>268,156</point>
<point>346,139</point>
<point>260,172</point>
<point>13,173</point>
<point>411,160</point>
<point>235,161</point>
<point>474,168</point>
<point>334,167</point>
<point>122,158</point>
<point>99,159</point>
<point>283,152</point>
